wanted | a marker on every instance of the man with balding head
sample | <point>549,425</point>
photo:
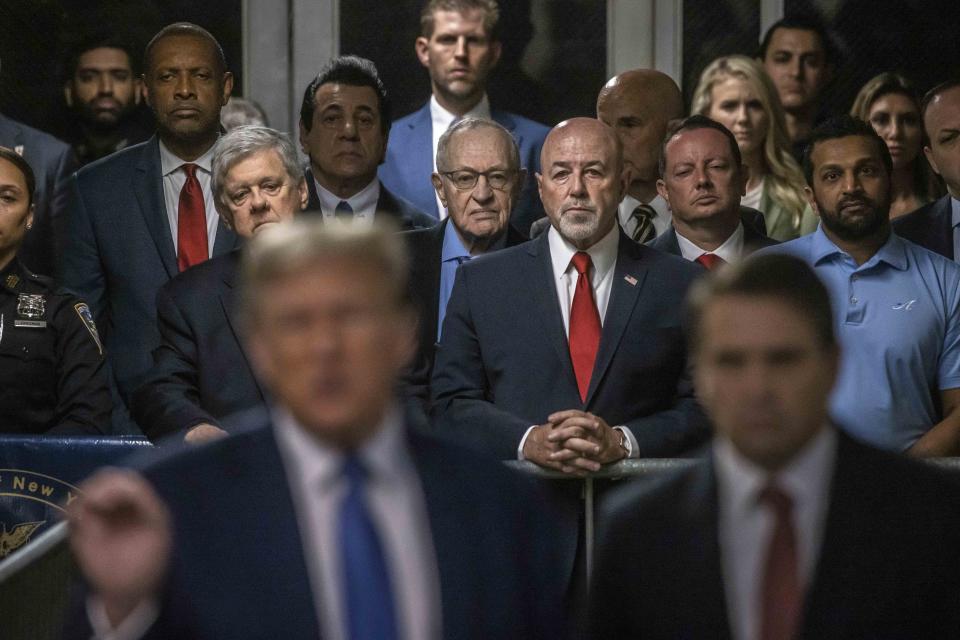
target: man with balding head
<point>567,351</point>
<point>639,104</point>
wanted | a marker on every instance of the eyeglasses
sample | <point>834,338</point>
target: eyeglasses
<point>464,179</point>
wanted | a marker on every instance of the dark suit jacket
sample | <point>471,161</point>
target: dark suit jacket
<point>503,363</point>
<point>201,372</point>
<point>887,566</point>
<point>120,252</point>
<point>404,213</point>
<point>238,567</point>
<point>409,163</point>
<point>425,248</point>
<point>52,162</point>
<point>930,226</point>
<point>752,241</point>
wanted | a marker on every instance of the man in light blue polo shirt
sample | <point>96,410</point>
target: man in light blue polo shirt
<point>897,304</point>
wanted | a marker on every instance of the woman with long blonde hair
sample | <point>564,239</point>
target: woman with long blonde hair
<point>889,103</point>
<point>734,91</point>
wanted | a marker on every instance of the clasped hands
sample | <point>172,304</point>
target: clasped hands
<point>574,442</point>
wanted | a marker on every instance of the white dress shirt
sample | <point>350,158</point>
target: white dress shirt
<point>745,526</point>
<point>731,250</point>
<point>363,203</point>
<point>603,256</point>
<point>173,180</point>
<point>441,120</point>
<point>398,507</point>
<point>661,222</point>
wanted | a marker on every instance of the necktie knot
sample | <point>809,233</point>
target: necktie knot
<point>581,262</point>
<point>710,260</point>
<point>190,169</point>
<point>777,499</point>
<point>643,215</point>
<point>343,211</point>
<point>354,470</point>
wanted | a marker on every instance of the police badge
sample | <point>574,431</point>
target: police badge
<point>84,312</point>
<point>31,306</point>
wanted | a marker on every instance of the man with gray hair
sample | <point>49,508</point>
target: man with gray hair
<point>334,516</point>
<point>478,179</point>
<point>201,373</point>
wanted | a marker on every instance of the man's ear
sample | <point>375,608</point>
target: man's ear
<point>662,190</point>
<point>68,94</point>
<point>137,90</point>
<point>145,91</point>
<point>422,48</point>
<point>438,187</point>
<point>744,179</point>
<point>496,49</point>
<point>928,153</point>
<point>811,199</point>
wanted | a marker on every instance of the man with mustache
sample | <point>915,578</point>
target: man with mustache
<point>897,305</point>
<point>146,213</point>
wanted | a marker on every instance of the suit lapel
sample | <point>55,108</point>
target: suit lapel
<point>387,204</point>
<point>628,276</point>
<point>228,304</point>
<point>313,200</point>
<point>148,189</point>
<point>420,154</point>
<point>506,120</point>
<point>543,291</point>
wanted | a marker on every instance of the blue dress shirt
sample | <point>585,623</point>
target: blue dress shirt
<point>898,322</point>
<point>452,255</point>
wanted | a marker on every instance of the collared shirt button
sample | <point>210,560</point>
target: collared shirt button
<point>853,299</point>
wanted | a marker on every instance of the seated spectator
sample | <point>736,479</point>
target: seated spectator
<point>53,378</point>
<point>201,373</point>
<point>478,180</point>
<point>790,528</point>
<point>344,124</point>
<point>896,305</point>
<point>936,225</point>
<point>889,103</point>
<point>102,92</point>
<point>703,181</point>
<point>735,92</point>
<point>240,112</point>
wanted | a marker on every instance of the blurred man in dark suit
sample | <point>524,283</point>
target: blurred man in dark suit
<point>334,516</point>
<point>344,125</point>
<point>703,179</point>
<point>144,214</point>
<point>201,373</point>
<point>789,528</point>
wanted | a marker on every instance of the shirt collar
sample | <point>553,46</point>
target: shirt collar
<point>170,162</point>
<point>362,200</point>
<point>955,206</point>
<point>318,463</point>
<point>806,478</point>
<point>729,251</point>
<point>893,252</point>
<point>442,119</point>
<point>452,245</point>
<point>603,254</point>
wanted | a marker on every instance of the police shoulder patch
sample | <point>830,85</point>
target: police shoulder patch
<point>84,312</point>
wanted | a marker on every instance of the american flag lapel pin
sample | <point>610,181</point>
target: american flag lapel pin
<point>18,149</point>
<point>631,280</point>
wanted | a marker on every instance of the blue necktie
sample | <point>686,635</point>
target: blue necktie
<point>344,211</point>
<point>366,582</point>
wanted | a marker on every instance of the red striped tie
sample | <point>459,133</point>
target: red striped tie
<point>191,222</point>
<point>584,325</point>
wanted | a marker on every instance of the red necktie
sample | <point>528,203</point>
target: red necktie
<point>710,260</point>
<point>191,222</point>
<point>584,325</point>
<point>780,596</point>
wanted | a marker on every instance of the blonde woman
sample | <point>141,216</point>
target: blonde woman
<point>889,103</point>
<point>734,91</point>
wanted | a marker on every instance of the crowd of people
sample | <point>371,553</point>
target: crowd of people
<point>338,354</point>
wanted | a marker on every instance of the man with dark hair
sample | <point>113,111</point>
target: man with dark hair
<point>458,45</point>
<point>789,528</point>
<point>702,180</point>
<point>337,515</point>
<point>936,225</point>
<point>147,212</point>
<point>479,180</point>
<point>798,55</point>
<point>102,90</point>
<point>344,128</point>
<point>201,373</point>
<point>897,305</point>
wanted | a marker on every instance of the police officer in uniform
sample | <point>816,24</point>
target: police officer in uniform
<point>53,376</point>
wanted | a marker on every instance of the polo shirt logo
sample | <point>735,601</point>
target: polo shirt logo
<point>904,306</point>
